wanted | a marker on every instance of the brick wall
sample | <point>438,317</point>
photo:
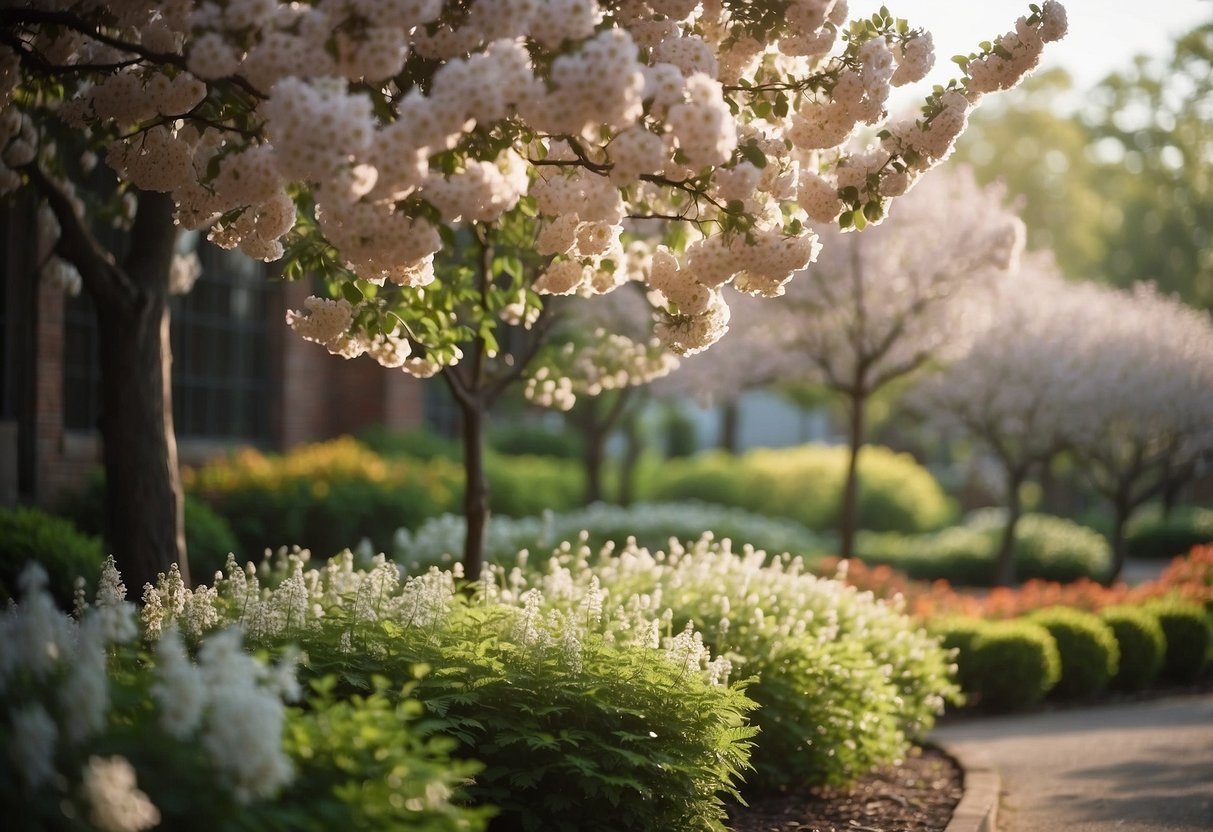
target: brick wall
<point>62,458</point>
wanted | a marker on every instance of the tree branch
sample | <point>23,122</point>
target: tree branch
<point>104,279</point>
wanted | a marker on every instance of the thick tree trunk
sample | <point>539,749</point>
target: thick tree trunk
<point>476,489</point>
<point>144,500</point>
<point>1004,562</point>
<point>144,504</point>
<point>848,520</point>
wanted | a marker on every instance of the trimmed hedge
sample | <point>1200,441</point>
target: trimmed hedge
<point>1087,647</point>
<point>1142,646</point>
<point>1014,664</point>
<point>30,534</point>
<point>805,484</point>
<point>1186,629</point>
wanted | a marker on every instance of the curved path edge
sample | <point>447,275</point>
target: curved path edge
<point>977,810</point>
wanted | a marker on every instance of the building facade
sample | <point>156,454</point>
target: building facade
<point>240,376</point>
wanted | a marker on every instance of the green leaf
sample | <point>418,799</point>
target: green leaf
<point>752,154</point>
<point>351,292</point>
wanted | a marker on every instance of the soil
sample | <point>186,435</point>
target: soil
<point>917,796</point>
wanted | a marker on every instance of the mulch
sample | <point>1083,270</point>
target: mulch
<point>918,795</point>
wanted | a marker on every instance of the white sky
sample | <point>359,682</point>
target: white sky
<point>1104,34</point>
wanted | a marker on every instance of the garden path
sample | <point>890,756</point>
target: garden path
<point>1129,767</point>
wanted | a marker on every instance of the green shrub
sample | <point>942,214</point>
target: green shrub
<point>29,534</point>
<point>1186,630</point>
<point>1046,547</point>
<point>1142,646</point>
<point>361,764</point>
<point>414,444</point>
<point>208,537</point>
<point>532,439</point>
<point>958,633</point>
<point>805,484</point>
<point>1014,664</point>
<point>326,496</point>
<point>1152,536</point>
<point>843,681</point>
<point>1087,648</point>
<point>524,486</point>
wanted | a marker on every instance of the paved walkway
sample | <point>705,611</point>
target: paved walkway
<point>1141,767</point>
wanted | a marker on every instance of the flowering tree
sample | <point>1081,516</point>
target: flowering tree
<point>1009,390</point>
<point>878,306</point>
<point>367,137</point>
<point>1140,415</point>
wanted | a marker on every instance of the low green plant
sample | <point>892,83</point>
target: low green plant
<point>1185,627</point>
<point>31,535</point>
<point>1014,664</point>
<point>1152,536</point>
<point>1087,648</point>
<point>360,763</point>
<point>1142,646</point>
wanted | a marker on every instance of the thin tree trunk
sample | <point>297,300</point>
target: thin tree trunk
<point>476,488</point>
<point>730,426</point>
<point>1004,562</point>
<point>632,450</point>
<point>592,456</point>
<point>848,520</point>
<point>1122,508</point>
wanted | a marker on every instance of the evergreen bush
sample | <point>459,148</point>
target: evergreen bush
<point>32,535</point>
<point>1087,648</point>
<point>1142,646</point>
<point>1185,627</point>
<point>1014,664</point>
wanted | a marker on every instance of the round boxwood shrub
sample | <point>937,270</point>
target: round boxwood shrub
<point>1087,647</point>
<point>1142,646</point>
<point>30,534</point>
<point>1014,664</point>
<point>958,633</point>
<point>1186,629</point>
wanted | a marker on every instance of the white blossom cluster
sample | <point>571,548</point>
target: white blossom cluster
<point>609,361</point>
<point>386,119</point>
<point>56,693</point>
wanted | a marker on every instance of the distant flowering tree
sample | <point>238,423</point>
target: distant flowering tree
<point>877,307</point>
<point>363,139</point>
<point>1010,389</point>
<point>1140,412</point>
